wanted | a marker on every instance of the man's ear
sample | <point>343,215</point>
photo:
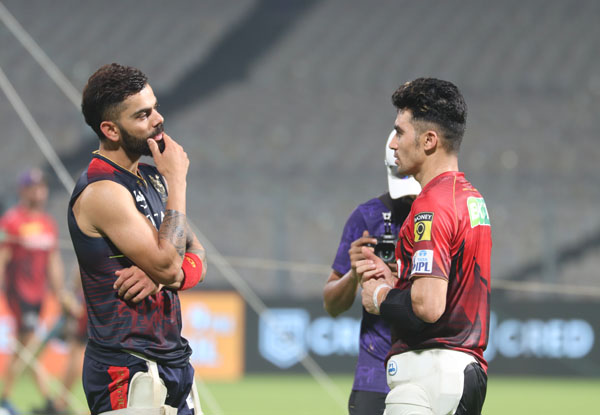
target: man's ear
<point>111,130</point>
<point>431,140</point>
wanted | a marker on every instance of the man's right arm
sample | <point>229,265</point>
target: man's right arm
<point>133,284</point>
<point>106,208</point>
<point>340,290</point>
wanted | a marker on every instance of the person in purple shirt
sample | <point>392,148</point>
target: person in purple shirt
<point>364,225</point>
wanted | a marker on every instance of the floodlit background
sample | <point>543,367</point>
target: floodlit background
<point>283,107</point>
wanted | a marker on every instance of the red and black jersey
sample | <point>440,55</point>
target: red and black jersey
<point>151,327</point>
<point>30,237</point>
<point>448,235</point>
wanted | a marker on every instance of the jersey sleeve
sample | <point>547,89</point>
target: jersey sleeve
<point>432,227</point>
<point>353,229</point>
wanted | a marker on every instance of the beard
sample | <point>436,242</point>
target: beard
<point>138,146</point>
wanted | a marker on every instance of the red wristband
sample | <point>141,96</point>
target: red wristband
<point>192,271</point>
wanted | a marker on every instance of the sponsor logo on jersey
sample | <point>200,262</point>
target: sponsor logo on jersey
<point>140,199</point>
<point>478,212</point>
<point>423,223</point>
<point>422,262</point>
<point>392,368</point>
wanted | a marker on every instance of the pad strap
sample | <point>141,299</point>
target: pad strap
<point>192,271</point>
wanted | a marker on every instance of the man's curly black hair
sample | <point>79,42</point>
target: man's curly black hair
<point>435,101</point>
<point>106,90</point>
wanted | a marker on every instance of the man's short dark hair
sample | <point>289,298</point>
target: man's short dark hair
<point>435,101</point>
<point>106,90</point>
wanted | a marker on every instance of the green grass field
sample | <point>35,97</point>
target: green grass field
<point>301,395</point>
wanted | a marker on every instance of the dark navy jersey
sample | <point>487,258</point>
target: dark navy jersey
<point>153,326</point>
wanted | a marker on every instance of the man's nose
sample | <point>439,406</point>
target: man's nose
<point>158,118</point>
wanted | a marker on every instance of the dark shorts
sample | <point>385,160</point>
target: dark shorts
<point>27,315</point>
<point>366,403</point>
<point>106,386</point>
<point>474,391</point>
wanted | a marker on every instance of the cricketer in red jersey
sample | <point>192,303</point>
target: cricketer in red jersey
<point>439,306</point>
<point>31,238</point>
<point>29,259</point>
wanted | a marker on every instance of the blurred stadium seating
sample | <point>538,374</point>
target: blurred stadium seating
<point>284,109</point>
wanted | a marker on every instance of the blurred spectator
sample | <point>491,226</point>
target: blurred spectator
<point>29,258</point>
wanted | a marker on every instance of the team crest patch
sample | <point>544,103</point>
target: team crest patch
<point>157,184</point>
<point>423,222</point>
<point>478,212</point>
<point>422,262</point>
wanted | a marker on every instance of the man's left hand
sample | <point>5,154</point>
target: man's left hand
<point>134,285</point>
<point>368,288</point>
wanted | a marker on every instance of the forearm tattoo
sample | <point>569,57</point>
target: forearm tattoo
<point>190,238</point>
<point>173,229</point>
<point>200,252</point>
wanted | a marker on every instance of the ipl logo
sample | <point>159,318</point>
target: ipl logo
<point>392,368</point>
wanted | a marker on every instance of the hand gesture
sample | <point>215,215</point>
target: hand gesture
<point>368,290</point>
<point>134,285</point>
<point>173,162</point>
<point>356,253</point>
<point>373,267</point>
<point>374,272</point>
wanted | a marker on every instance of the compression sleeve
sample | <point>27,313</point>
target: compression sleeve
<point>397,309</point>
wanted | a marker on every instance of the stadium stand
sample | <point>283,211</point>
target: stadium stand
<point>283,108</point>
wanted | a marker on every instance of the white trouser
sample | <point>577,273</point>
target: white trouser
<point>426,382</point>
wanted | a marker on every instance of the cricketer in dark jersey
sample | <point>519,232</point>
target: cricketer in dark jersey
<point>448,235</point>
<point>151,327</point>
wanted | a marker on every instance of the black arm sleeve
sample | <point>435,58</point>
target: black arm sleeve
<point>397,309</point>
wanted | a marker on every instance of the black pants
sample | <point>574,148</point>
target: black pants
<point>366,403</point>
<point>474,391</point>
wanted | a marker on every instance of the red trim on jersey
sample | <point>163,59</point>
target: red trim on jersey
<point>118,387</point>
<point>99,167</point>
